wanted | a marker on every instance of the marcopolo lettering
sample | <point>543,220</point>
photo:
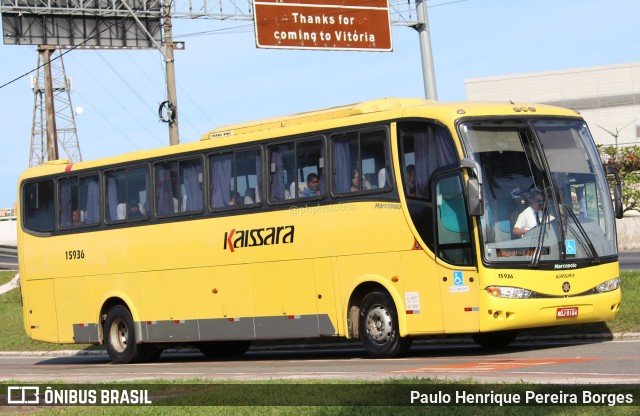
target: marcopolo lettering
<point>255,237</point>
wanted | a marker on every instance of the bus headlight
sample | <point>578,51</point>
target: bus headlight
<point>609,285</point>
<point>508,292</point>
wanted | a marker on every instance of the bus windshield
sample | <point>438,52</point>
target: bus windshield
<point>545,193</point>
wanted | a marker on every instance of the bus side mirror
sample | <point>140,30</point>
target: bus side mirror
<point>475,204</point>
<point>617,190</point>
<point>474,198</point>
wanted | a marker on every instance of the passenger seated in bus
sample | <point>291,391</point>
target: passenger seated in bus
<point>313,186</point>
<point>75,217</point>
<point>355,180</point>
<point>134,210</point>
<point>234,199</point>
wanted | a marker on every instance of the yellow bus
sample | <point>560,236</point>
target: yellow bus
<point>382,221</point>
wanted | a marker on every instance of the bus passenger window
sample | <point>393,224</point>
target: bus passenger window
<point>425,147</point>
<point>360,161</point>
<point>127,194</point>
<point>89,200</point>
<point>78,201</point>
<point>235,179</point>
<point>166,188</point>
<point>190,174</point>
<point>282,179</point>
<point>310,168</point>
<point>178,187</point>
<point>68,202</point>
<point>247,182</point>
<point>38,205</point>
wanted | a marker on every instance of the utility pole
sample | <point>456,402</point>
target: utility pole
<point>428,71</point>
<point>52,137</point>
<point>172,97</point>
<point>616,133</point>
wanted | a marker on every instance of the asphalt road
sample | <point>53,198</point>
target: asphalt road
<point>566,362</point>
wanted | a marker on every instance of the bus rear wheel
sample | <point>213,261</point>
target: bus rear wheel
<point>120,338</point>
<point>378,327</point>
<point>494,340</point>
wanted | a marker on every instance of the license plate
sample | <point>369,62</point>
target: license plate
<point>567,312</point>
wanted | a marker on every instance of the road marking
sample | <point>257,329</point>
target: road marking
<point>496,364</point>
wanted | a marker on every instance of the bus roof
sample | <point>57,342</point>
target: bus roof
<point>380,109</point>
<point>365,107</point>
<point>453,109</point>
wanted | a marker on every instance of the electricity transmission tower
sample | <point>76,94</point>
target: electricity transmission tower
<point>62,121</point>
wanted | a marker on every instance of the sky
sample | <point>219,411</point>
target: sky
<point>223,78</point>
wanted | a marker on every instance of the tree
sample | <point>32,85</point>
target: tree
<point>627,161</point>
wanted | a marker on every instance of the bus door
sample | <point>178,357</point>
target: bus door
<point>453,246</point>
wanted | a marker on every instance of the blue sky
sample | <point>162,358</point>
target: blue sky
<point>223,78</point>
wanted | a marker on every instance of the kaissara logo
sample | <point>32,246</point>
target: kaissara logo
<point>258,237</point>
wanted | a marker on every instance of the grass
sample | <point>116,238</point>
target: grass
<point>13,337</point>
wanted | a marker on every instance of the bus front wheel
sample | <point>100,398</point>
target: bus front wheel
<point>378,327</point>
<point>120,338</point>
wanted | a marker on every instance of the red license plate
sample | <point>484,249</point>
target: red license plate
<point>567,312</point>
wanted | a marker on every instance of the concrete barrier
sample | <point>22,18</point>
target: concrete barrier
<point>9,232</point>
<point>629,233</point>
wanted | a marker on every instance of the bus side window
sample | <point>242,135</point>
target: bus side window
<point>68,202</point>
<point>89,200</point>
<point>373,158</point>
<point>359,160</point>
<point>247,177</point>
<point>281,172</point>
<point>78,201</point>
<point>425,148</point>
<point>191,179</point>
<point>310,169</point>
<point>345,161</point>
<point>127,193</point>
<point>38,205</point>
<point>166,182</point>
<point>178,187</point>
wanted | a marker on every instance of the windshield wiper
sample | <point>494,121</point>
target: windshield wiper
<point>538,251</point>
<point>585,236</point>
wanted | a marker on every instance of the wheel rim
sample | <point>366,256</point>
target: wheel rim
<point>379,324</point>
<point>119,335</point>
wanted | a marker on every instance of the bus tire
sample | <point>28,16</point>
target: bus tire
<point>378,327</point>
<point>219,349</point>
<point>495,339</point>
<point>120,337</point>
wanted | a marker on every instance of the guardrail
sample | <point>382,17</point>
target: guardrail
<point>9,250</point>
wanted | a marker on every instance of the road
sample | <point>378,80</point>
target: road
<point>540,362</point>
